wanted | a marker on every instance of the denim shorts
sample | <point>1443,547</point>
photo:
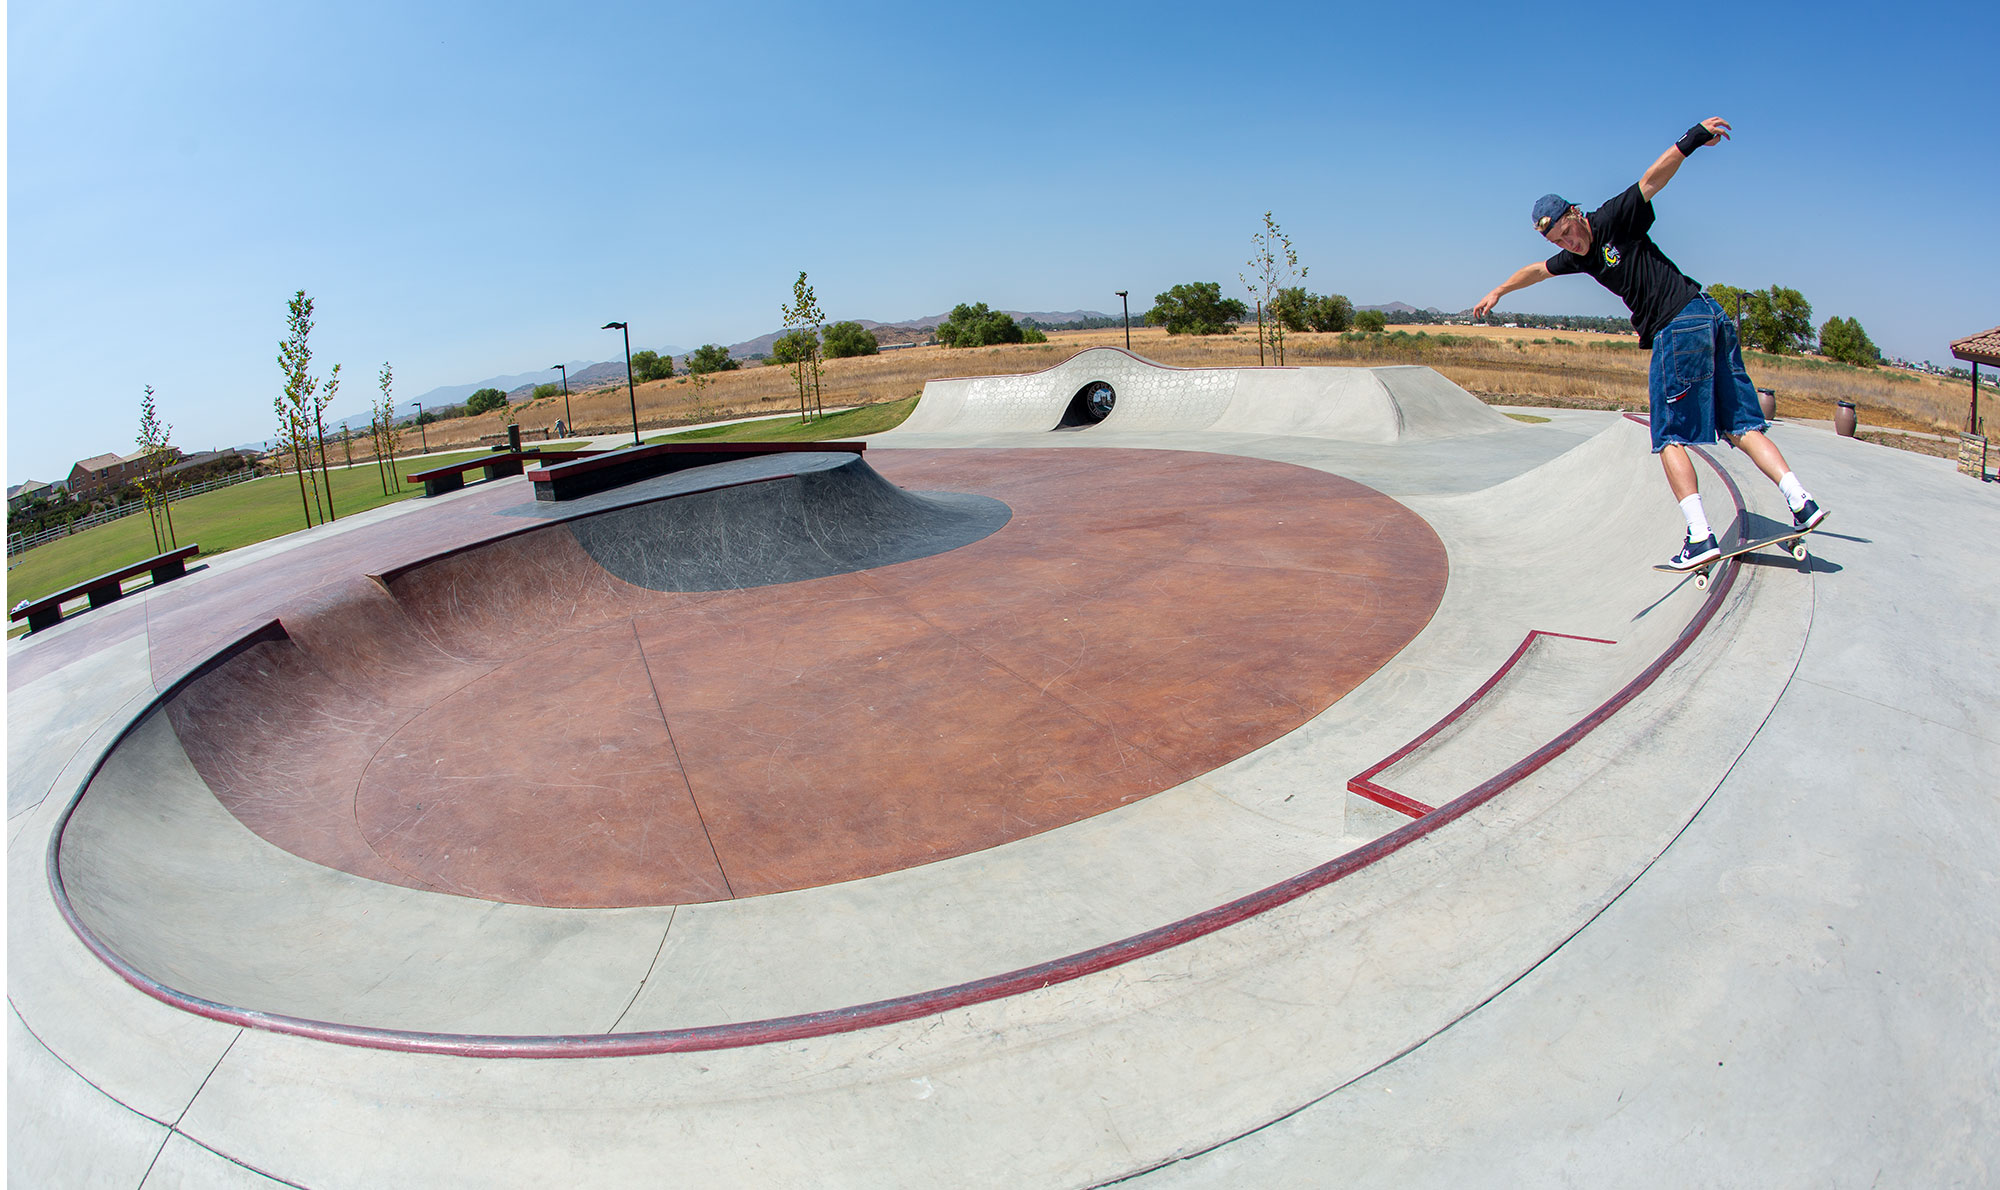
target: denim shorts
<point>1697,383</point>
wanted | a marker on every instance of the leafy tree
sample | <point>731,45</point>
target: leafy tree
<point>1328,312</point>
<point>1288,308</point>
<point>1371,321</point>
<point>1033,334</point>
<point>711,358</point>
<point>1196,308</point>
<point>1275,263</point>
<point>650,365</point>
<point>1777,320</point>
<point>793,347</point>
<point>1734,302</point>
<point>545,391</point>
<point>485,401</point>
<point>1843,339</point>
<point>844,339</point>
<point>976,326</point>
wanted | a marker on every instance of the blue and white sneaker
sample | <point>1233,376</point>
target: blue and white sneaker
<point>1808,517</point>
<point>1696,553</point>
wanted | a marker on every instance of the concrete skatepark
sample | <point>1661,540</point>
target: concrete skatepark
<point>1038,788</point>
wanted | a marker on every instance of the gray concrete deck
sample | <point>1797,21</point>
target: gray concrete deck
<point>1743,933</point>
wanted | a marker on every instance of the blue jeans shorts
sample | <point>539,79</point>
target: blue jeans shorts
<point>1697,383</point>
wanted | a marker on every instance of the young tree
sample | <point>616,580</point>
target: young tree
<point>1276,266</point>
<point>1371,321</point>
<point>802,318</point>
<point>698,382</point>
<point>320,402</point>
<point>295,361</point>
<point>1196,308</point>
<point>156,439</point>
<point>383,419</point>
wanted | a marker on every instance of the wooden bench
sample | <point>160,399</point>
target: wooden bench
<point>631,464</point>
<point>499,465</point>
<point>108,587</point>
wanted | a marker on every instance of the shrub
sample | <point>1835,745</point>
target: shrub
<point>845,339</point>
<point>1196,308</point>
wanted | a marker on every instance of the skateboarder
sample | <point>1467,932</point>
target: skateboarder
<point>1696,384</point>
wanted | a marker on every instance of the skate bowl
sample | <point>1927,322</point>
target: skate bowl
<point>527,754</point>
<point>1114,390</point>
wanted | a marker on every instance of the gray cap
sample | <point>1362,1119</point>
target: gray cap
<point>1548,209</point>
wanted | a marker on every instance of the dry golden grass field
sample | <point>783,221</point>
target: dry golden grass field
<point>1501,365</point>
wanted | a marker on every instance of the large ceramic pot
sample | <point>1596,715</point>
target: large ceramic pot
<point>1843,419</point>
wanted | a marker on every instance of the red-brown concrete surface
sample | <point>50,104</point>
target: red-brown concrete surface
<point>511,722</point>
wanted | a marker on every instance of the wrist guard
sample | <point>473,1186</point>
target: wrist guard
<point>1694,139</point>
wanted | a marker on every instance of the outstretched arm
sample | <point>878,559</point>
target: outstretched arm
<point>1662,171</point>
<point>1523,277</point>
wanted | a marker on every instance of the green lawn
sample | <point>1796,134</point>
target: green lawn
<point>854,423</point>
<point>227,519</point>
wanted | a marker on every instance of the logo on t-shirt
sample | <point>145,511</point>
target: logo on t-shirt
<point>1611,257</point>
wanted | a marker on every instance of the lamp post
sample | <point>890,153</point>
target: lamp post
<point>567,419</point>
<point>1125,298</point>
<point>630,392</point>
<point>421,436</point>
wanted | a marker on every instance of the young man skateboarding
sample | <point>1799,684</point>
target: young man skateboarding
<point>1696,384</point>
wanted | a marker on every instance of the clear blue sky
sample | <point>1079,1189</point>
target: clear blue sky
<point>468,190</point>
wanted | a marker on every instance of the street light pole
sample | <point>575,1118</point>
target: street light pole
<point>1123,297</point>
<point>630,392</point>
<point>567,419</point>
<point>421,436</point>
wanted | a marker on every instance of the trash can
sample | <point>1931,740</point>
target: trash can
<point>1767,400</point>
<point>514,436</point>
<point>1844,419</point>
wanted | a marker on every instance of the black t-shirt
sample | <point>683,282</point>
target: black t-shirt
<point>1626,261</point>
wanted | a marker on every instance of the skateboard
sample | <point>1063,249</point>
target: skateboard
<point>1796,547</point>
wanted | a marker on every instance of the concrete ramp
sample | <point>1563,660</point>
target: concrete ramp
<point>1373,405</point>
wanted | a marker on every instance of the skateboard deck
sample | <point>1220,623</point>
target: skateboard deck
<point>1796,547</point>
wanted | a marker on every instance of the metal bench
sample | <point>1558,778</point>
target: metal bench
<point>108,587</point>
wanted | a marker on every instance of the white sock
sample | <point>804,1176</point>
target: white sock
<point>1795,492</point>
<point>1697,520</point>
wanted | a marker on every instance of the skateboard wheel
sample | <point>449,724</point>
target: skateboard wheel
<point>1799,550</point>
<point>1701,581</point>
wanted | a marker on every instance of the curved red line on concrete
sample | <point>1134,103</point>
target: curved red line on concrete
<point>1364,784</point>
<point>919,1004</point>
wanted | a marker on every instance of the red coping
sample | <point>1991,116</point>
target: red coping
<point>901,1008</point>
<point>1364,783</point>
